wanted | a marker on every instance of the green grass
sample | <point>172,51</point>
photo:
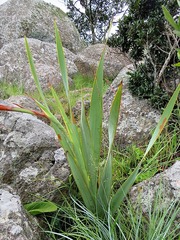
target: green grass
<point>80,89</point>
<point>163,154</point>
<point>81,82</point>
<point>74,221</point>
<point>8,89</point>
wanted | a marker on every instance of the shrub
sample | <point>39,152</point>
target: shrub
<point>144,34</point>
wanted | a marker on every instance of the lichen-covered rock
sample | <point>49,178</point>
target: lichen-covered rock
<point>14,222</point>
<point>88,59</point>
<point>14,66</point>
<point>166,185</point>
<point>35,19</point>
<point>31,161</point>
<point>137,117</point>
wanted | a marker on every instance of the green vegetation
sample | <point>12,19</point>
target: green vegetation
<point>83,144</point>
<point>162,155</point>
<point>93,18</point>
<point>144,34</point>
<point>7,90</point>
<point>74,221</point>
<point>81,81</point>
<point>103,210</point>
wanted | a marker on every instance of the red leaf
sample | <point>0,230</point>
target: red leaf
<point>5,108</point>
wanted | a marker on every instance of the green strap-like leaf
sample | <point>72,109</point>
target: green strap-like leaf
<point>104,190</point>
<point>86,145</point>
<point>176,64</point>
<point>163,120</point>
<point>96,112</point>
<point>60,107</point>
<point>124,189</point>
<point>82,183</point>
<point>118,198</point>
<point>170,19</point>
<point>177,33</point>
<point>62,63</point>
<point>51,117</point>
<point>114,115</point>
<point>34,74</point>
<point>105,185</point>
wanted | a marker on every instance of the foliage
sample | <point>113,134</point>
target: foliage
<point>93,18</point>
<point>176,27</point>
<point>36,208</point>
<point>81,81</point>
<point>145,36</point>
<point>8,90</point>
<point>74,221</point>
<point>141,84</point>
<point>82,144</point>
<point>93,176</point>
<point>162,155</point>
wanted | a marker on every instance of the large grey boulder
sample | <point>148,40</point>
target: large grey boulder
<point>15,224</point>
<point>35,19</point>
<point>165,185</point>
<point>137,117</point>
<point>32,161</point>
<point>14,66</point>
<point>87,61</point>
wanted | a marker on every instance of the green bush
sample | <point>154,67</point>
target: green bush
<point>141,83</point>
<point>143,34</point>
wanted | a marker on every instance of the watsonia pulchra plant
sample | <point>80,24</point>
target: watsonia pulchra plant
<point>82,143</point>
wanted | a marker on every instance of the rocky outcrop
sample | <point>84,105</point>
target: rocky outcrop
<point>165,185</point>
<point>31,160</point>
<point>14,67</point>
<point>137,118</point>
<point>14,222</point>
<point>87,61</point>
<point>35,19</point>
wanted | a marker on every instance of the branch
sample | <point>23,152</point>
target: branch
<point>173,50</point>
<point>151,60</point>
<point>170,54</point>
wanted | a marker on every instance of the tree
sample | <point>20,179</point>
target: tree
<point>93,17</point>
<point>145,35</point>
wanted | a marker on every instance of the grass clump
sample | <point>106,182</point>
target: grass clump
<point>8,89</point>
<point>162,155</point>
<point>74,221</point>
